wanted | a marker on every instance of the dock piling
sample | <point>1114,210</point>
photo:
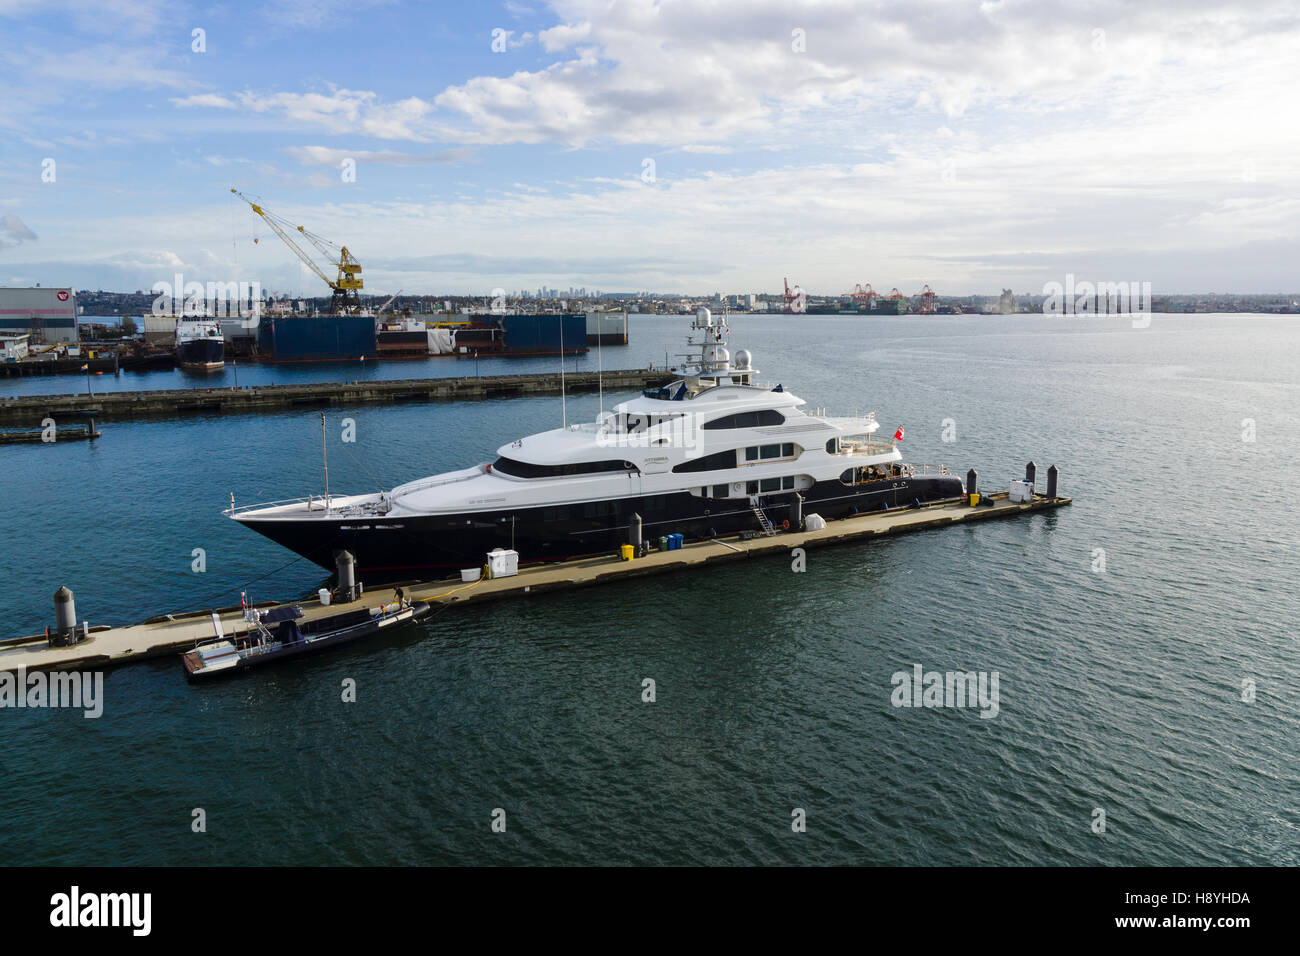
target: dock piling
<point>1051,481</point>
<point>1031,470</point>
<point>634,536</point>
<point>796,512</point>
<point>972,482</point>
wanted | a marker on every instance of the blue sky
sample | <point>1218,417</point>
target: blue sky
<point>964,145</point>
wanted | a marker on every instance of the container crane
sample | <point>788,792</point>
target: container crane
<point>791,298</point>
<point>927,297</point>
<point>863,295</point>
<point>345,286</point>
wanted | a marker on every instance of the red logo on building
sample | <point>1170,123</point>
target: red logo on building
<point>63,296</point>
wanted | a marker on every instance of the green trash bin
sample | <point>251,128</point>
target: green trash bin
<point>663,542</point>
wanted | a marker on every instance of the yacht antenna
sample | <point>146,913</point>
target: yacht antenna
<point>324,458</point>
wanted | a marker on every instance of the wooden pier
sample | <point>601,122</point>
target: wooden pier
<point>30,410</point>
<point>172,633</point>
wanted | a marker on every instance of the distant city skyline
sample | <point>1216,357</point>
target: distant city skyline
<point>457,149</point>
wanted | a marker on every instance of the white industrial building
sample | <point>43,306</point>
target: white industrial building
<point>49,315</point>
<point>13,346</point>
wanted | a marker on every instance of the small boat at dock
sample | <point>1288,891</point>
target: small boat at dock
<point>279,633</point>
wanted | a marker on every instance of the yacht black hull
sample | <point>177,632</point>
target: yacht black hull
<point>201,354</point>
<point>430,546</point>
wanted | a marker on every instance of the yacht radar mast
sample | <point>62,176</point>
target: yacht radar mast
<point>712,356</point>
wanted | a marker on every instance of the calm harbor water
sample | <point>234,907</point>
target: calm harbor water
<point>1120,690</point>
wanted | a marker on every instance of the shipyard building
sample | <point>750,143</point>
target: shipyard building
<point>49,316</point>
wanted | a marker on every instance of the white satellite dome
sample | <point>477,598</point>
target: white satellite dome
<point>704,316</point>
<point>743,359</point>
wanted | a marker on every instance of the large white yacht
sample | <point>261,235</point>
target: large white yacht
<point>714,453</point>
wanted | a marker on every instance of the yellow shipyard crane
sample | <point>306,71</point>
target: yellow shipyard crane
<point>348,282</point>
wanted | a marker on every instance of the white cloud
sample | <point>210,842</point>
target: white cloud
<point>14,232</point>
<point>211,100</point>
<point>325,156</point>
<point>344,111</point>
<point>563,36</point>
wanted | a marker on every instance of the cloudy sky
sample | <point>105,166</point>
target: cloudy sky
<point>677,146</point>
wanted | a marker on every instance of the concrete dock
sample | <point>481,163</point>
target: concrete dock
<point>173,633</point>
<point>86,432</point>
<point>29,410</point>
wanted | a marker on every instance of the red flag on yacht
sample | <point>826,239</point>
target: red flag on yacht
<point>85,368</point>
<point>898,435</point>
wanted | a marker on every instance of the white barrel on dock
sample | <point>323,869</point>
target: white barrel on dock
<point>324,595</point>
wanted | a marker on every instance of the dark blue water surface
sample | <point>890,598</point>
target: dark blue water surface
<point>1120,690</point>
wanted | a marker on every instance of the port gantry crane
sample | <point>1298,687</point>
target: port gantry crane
<point>863,296</point>
<point>927,297</point>
<point>345,299</point>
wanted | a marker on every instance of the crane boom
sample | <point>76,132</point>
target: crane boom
<point>348,281</point>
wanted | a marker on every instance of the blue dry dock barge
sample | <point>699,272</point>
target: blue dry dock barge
<point>543,334</point>
<point>318,338</point>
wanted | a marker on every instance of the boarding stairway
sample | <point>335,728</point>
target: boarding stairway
<point>763,521</point>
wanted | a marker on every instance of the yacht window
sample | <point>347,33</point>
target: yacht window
<point>833,446</point>
<point>765,416</point>
<point>721,491</point>
<point>787,482</point>
<point>787,450</point>
<point>525,469</point>
<point>771,451</point>
<point>751,453</point>
<point>751,487</point>
<point>721,459</point>
<point>770,484</point>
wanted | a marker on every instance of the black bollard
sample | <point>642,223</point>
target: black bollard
<point>65,619</point>
<point>347,567</point>
<point>1031,470</point>
<point>972,482</point>
<point>1051,481</point>
<point>796,512</point>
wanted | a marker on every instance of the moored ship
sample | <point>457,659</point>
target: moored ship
<point>200,345</point>
<point>714,453</point>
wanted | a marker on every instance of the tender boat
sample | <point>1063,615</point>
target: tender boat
<point>281,633</point>
<point>716,452</point>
